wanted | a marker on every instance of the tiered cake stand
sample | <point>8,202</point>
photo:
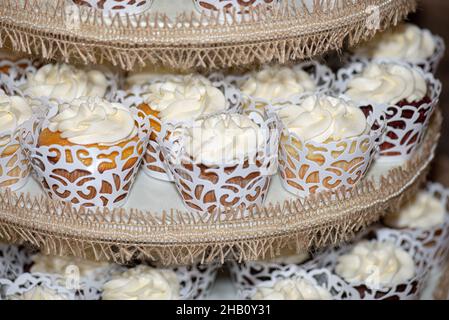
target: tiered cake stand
<point>154,225</point>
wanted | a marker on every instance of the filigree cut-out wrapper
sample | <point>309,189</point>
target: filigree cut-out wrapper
<point>111,7</point>
<point>12,261</point>
<point>429,64</point>
<point>15,168</point>
<point>321,74</point>
<point>266,275</point>
<point>86,176</point>
<point>15,75</point>
<point>242,184</point>
<point>408,290</point>
<point>238,7</point>
<point>406,123</point>
<point>153,164</point>
<point>196,280</point>
<point>308,167</point>
<point>435,240</point>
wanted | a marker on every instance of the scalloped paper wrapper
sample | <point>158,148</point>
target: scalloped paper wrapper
<point>323,76</point>
<point>122,7</point>
<point>409,290</point>
<point>427,65</point>
<point>306,168</point>
<point>15,168</point>
<point>73,174</point>
<point>17,71</point>
<point>338,288</point>
<point>153,163</point>
<point>242,184</point>
<point>435,240</point>
<point>406,123</point>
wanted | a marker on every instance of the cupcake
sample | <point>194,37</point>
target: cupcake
<point>274,83</point>
<point>222,161</point>
<point>406,42</point>
<point>424,218</point>
<point>178,99</point>
<point>65,82</point>
<point>385,269</point>
<point>87,152</point>
<point>249,274</point>
<point>292,289</point>
<point>142,283</point>
<point>40,292</point>
<point>14,167</point>
<point>410,96</point>
<point>327,143</point>
<point>64,266</point>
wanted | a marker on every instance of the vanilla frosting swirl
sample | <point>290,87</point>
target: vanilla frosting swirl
<point>65,82</point>
<point>90,120</point>
<point>58,265</point>
<point>323,119</point>
<point>387,83</point>
<point>39,293</point>
<point>14,111</point>
<point>289,258</point>
<point>222,139</point>
<point>424,212</point>
<point>142,283</point>
<point>292,289</point>
<point>148,75</point>
<point>180,98</point>
<point>273,82</point>
<point>376,264</point>
<point>406,42</point>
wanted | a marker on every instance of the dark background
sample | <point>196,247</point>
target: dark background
<point>433,15</point>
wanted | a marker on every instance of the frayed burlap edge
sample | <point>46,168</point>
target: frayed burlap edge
<point>288,33</point>
<point>182,238</point>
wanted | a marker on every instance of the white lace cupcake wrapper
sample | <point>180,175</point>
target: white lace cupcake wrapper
<point>16,76</point>
<point>409,290</point>
<point>196,281</point>
<point>406,124</point>
<point>308,167</point>
<point>338,289</point>
<point>322,75</point>
<point>13,260</point>
<point>153,163</point>
<point>112,7</point>
<point>435,241</point>
<point>243,184</point>
<point>86,176</point>
<point>64,287</point>
<point>427,65</point>
<point>15,168</point>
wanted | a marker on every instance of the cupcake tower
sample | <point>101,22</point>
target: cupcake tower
<point>218,138</point>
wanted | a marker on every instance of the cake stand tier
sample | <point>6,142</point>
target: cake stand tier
<point>154,226</point>
<point>186,40</point>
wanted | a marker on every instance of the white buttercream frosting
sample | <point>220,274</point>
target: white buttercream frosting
<point>14,111</point>
<point>289,258</point>
<point>323,118</point>
<point>142,283</point>
<point>376,264</point>
<point>180,98</point>
<point>273,82</point>
<point>89,120</point>
<point>292,289</point>
<point>387,83</point>
<point>424,212</point>
<point>407,42</point>
<point>39,293</point>
<point>147,75</point>
<point>65,82</point>
<point>61,265</point>
<point>222,139</point>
